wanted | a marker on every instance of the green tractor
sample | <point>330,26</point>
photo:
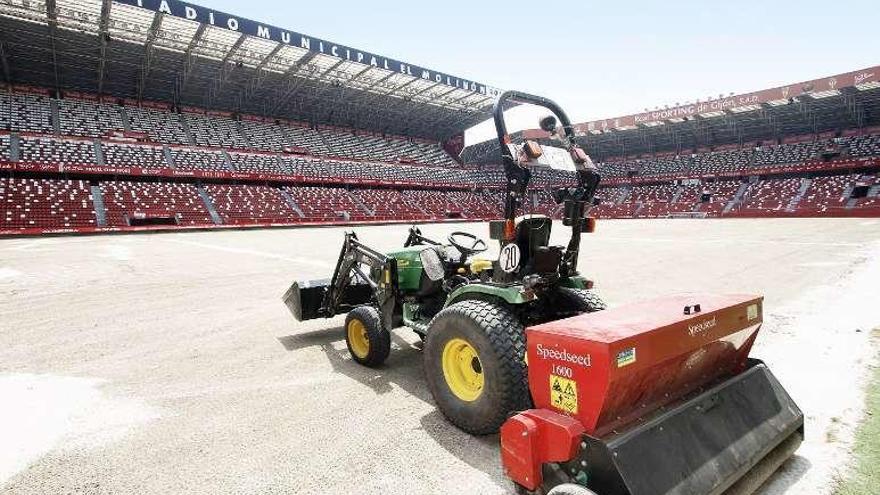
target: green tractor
<point>471,312</point>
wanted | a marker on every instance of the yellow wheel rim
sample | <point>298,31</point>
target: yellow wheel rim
<point>463,370</point>
<point>358,339</point>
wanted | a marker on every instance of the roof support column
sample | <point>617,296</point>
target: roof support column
<point>152,34</point>
<point>4,63</point>
<point>52,19</point>
<point>189,59</point>
<point>103,38</point>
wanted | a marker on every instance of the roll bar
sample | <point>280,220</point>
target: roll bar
<point>501,126</point>
<point>577,200</point>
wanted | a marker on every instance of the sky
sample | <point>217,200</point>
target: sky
<point>598,59</point>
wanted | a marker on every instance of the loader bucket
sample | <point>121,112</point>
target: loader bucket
<point>669,400</point>
<point>305,298</point>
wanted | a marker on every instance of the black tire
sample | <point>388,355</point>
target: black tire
<point>579,300</point>
<point>570,489</point>
<point>375,334</point>
<point>498,339</point>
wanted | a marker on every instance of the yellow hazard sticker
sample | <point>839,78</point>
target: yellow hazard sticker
<point>563,394</point>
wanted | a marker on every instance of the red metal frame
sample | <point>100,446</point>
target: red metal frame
<point>535,437</point>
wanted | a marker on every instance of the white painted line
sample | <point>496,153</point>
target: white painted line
<point>252,252</point>
<point>815,264</point>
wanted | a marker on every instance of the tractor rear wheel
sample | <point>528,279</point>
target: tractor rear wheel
<point>579,300</point>
<point>368,341</point>
<point>475,365</point>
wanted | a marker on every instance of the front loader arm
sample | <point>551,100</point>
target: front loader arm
<point>362,265</point>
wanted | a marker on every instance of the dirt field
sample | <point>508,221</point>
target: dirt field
<point>167,363</point>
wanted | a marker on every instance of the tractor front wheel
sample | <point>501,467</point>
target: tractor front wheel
<point>475,365</point>
<point>368,341</point>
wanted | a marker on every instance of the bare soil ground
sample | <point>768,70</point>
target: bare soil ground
<point>167,363</point>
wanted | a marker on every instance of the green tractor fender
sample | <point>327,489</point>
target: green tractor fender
<point>511,294</point>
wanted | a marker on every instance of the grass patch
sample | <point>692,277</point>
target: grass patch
<point>865,477</point>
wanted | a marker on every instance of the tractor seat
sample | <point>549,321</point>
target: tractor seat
<point>533,239</point>
<point>532,232</point>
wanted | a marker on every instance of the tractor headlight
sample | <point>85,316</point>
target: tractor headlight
<point>432,264</point>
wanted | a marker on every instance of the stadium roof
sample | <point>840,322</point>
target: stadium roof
<point>186,54</point>
<point>843,101</point>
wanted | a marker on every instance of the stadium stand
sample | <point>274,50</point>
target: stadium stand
<point>133,155</point>
<point>788,153</point>
<point>542,203</point>
<point>389,204</point>
<point>322,204</point>
<point>350,142</point>
<point>25,112</point>
<point>719,162</point>
<point>475,205</point>
<point>772,195</point>
<point>717,196</point>
<point>57,151</point>
<point>250,162</point>
<point>86,118</point>
<point>162,126</point>
<point>263,135</point>
<point>828,193</point>
<point>46,203</point>
<point>198,159</point>
<point>308,139</point>
<point>435,203</point>
<point>255,146</point>
<point>239,204</point>
<point>4,147</point>
<point>217,131</point>
<point>865,145</point>
<point>343,144</point>
<point>127,200</point>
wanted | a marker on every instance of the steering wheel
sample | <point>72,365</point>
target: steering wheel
<point>477,245</point>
